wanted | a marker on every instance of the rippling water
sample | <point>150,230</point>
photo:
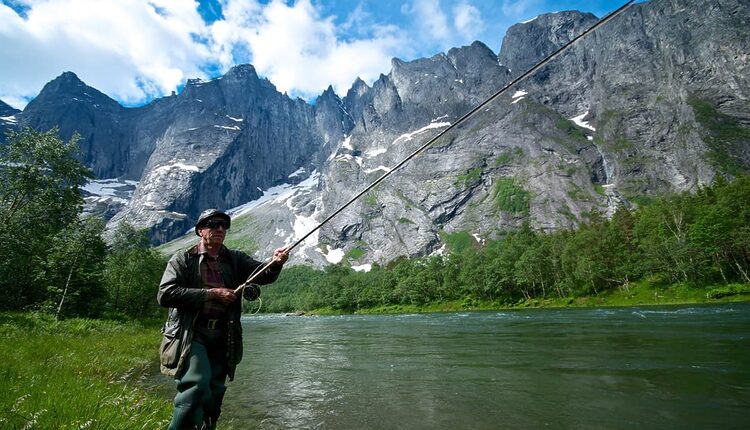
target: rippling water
<point>623,368</point>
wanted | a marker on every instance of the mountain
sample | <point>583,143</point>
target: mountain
<point>7,118</point>
<point>654,102</point>
<point>7,110</point>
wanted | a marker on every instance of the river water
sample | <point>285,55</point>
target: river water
<point>684,367</point>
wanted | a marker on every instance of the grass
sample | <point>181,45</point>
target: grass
<point>637,294</point>
<point>78,374</point>
<point>725,137</point>
<point>355,254</point>
<point>458,241</point>
<point>470,177</point>
<point>511,197</point>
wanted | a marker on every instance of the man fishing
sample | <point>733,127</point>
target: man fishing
<point>202,342</point>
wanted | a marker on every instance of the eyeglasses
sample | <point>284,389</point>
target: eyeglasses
<point>216,223</point>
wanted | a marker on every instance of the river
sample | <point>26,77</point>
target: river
<point>609,368</point>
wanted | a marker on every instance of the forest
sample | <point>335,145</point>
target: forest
<point>59,263</point>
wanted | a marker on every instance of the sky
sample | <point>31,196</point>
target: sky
<point>138,50</point>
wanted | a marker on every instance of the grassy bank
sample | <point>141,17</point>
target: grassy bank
<point>636,294</point>
<point>78,374</point>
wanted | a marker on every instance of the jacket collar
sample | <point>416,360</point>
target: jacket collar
<point>198,249</point>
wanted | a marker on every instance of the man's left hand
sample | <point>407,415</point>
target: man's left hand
<point>280,256</point>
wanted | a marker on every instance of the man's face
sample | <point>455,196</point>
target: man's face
<point>214,231</point>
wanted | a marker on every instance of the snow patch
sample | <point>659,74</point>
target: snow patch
<point>529,20</point>
<point>362,268</point>
<point>302,224</point>
<point>111,188</point>
<point>234,127</point>
<point>235,119</point>
<point>279,192</point>
<point>334,256</point>
<point>299,172</point>
<point>375,152</point>
<point>10,119</point>
<point>383,168</point>
<point>440,251</point>
<point>347,143</point>
<point>408,136</point>
<point>518,96</point>
<point>178,165</point>
<point>578,120</point>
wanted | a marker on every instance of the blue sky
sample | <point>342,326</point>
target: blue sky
<point>138,50</point>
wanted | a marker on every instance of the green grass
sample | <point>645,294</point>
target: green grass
<point>470,177</point>
<point>355,254</point>
<point>459,241</point>
<point>725,137</point>
<point>370,200</point>
<point>511,197</point>
<point>78,374</point>
<point>571,129</point>
<point>637,294</point>
<point>508,157</point>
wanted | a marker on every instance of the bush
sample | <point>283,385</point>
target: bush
<point>728,290</point>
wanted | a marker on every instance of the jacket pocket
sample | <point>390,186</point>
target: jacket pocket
<point>169,350</point>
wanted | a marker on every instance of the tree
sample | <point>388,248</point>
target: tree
<point>132,273</point>
<point>72,270</point>
<point>40,180</point>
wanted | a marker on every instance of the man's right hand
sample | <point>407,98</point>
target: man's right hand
<point>221,295</point>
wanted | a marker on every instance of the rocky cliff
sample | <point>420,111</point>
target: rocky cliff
<point>655,101</point>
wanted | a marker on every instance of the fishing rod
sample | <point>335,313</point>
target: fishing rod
<point>523,76</point>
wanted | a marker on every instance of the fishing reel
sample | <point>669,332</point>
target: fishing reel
<point>251,292</point>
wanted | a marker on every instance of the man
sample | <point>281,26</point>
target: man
<point>202,341</point>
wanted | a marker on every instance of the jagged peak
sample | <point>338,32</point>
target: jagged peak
<point>242,70</point>
<point>476,47</point>
<point>358,84</point>
<point>7,110</point>
<point>67,79</point>
<point>328,94</point>
<point>68,85</point>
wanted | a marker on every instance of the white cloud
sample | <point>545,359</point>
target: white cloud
<point>298,50</point>
<point>135,50</point>
<point>468,20</point>
<point>519,8</point>
<point>431,18</point>
<point>129,49</point>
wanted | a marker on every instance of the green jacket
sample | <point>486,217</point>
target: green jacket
<point>181,290</point>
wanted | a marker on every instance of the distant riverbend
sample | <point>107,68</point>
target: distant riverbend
<point>614,368</point>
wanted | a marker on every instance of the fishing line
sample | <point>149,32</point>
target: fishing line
<point>523,76</point>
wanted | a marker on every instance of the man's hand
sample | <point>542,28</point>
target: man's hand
<point>280,256</point>
<point>221,295</point>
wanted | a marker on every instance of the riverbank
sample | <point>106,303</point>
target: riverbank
<point>83,373</point>
<point>636,294</point>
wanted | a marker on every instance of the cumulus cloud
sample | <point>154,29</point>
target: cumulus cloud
<point>129,49</point>
<point>520,8</point>
<point>430,18</point>
<point>297,49</point>
<point>136,50</point>
<point>468,20</point>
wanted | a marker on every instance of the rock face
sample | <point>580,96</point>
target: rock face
<point>655,101</point>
